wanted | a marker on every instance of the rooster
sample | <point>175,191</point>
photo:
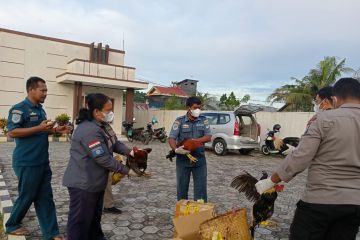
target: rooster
<point>263,207</point>
<point>189,144</point>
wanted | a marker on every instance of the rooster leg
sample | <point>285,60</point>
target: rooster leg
<point>191,157</point>
<point>265,223</point>
<point>268,223</point>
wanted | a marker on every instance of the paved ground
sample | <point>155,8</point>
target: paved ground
<point>148,204</point>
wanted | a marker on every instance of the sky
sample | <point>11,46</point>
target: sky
<point>249,47</point>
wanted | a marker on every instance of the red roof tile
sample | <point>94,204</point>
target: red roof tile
<point>168,91</point>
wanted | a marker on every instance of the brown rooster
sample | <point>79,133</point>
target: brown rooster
<point>263,207</point>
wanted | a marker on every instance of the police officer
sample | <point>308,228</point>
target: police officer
<point>190,126</point>
<point>27,123</point>
<point>109,206</point>
<point>91,159</point>
<point>330,206</point>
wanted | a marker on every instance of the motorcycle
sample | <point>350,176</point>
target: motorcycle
<point>274,145</point>
<point>137,134</point>
<point>158,133</point>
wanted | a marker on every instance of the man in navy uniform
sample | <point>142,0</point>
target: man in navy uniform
<point>28,124</point>
<point>196,127</point>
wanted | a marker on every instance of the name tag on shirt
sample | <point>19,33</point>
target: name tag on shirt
<point>34,118</point>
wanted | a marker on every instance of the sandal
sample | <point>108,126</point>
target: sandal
<point>21,231</point>
<point>58,237</point>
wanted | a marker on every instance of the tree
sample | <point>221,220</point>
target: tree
<point>229,102</point>
<point>357,74</point>
<point>206,100</point>
<point>173,103</point>
<point>299,96</point>
<point>139,97</point>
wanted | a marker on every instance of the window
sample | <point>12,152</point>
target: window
<point>96,57</point>
<point>224,118</point>
<point>212,118</point>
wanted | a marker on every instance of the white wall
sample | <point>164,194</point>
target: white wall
<point>292,123</point>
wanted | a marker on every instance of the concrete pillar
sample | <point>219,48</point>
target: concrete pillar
<point>77,100</point>
<point>129,112</point>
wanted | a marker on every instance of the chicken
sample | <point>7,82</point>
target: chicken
<point>188,144</point>
<point>263,207</point>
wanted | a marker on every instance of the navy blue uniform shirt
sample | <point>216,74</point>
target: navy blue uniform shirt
<point>184,128</point>
<point>31,150</point>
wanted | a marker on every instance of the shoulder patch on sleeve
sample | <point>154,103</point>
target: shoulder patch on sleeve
<point>97,151</point>
<point>16,117</point>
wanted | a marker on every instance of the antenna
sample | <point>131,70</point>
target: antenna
<point>123,41</point>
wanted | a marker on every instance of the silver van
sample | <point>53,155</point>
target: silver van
<point>233,130</point>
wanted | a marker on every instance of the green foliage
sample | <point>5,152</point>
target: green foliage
<point>62,119</point>
<point>206,99</point>
<point>298,96</point>
<point>139,97</point>
<point>231,102</point>
<point>174,103</point>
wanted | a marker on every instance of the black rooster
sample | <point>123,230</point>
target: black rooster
<point>263,207</point>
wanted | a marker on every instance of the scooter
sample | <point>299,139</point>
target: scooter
<point>274,145</point>
<point>138,134</point>
<point>158,133</point>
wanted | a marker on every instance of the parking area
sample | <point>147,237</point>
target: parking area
<point>148,203</point>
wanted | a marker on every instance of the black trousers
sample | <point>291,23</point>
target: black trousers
<point>85,215</point>
<point>325,222</point>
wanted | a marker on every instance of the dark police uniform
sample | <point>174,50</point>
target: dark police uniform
<point>31,165</point>
<point>184,128</point>
<point>86,176</point>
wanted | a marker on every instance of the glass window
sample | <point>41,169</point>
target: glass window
<point>224,118</point>
<point>212,118</point>
<point>94,55</point>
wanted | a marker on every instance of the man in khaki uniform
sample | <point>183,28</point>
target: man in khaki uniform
<point>330,149</point>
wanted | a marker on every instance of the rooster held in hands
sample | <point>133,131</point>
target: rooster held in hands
<point>263,207</point>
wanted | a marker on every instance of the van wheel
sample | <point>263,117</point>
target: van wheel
<point>220,147</point>
<point>265,150</point>
<point>246,151</point>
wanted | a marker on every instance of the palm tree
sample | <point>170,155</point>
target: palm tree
<point>299,95</point>
<point>206,100</point>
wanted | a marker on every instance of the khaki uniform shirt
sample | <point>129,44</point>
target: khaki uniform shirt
<point>330,148</point>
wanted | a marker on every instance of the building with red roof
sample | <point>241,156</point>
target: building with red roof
<point>157,96</point>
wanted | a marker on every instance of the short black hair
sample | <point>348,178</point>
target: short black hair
<point>192,100</point>
<point>32,83</point>
<point>347,88</point>
<point>326,93</point>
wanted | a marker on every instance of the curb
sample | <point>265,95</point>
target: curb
<point>6,206</point>
<point>51,139</point>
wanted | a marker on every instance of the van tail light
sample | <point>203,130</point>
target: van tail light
<point>259,129</point>
<point>236,129</point>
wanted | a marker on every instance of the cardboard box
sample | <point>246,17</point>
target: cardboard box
<point>187,226</point>
<point>186,207</point>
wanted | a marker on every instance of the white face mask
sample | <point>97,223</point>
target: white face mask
<point>195,113</point>
<point>109,117</point>
<point>317,107</point>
